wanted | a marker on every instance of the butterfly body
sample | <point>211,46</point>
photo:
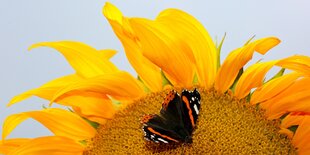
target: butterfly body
<point>176,120</point>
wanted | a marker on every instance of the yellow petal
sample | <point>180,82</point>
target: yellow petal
<point>292,119</point>
<point>93,106</point>
<point>71,125</point>
<point>86,60</point>
<point>298,63</point>
<point>238,58</point>
<point>287,132</point>
<point>252,77</point>
<point>295,98</point>
<point>301,139</point>
<point>112,13</point>
<point>165,50</point>
<point>273,88</point>
<point>11,122</point>
<point>189,30</point>
<point>7,146</point>
<point>302,135</point>
<point>148,72</point>
<point>107,53</point>
<point>119,85</point>
<point>51,145</point>
<point>47,90</point>
<point>298,101</point>
<point>305,151</point>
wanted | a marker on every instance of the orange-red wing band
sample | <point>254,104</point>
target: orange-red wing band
<point>168,99</point>
<point>146,118</point>
<point>190,113</point>
<point>164,136</point>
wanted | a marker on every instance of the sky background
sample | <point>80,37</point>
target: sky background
<point>23,23</point>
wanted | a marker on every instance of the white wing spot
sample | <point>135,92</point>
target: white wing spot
<point>193,99</point>
<point>196,109</point>
<point>164,141</point>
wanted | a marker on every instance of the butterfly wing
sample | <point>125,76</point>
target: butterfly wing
<point>190,108</point>
<point>158,129</point>
<point>168,126</point>
<point>177,118</point>
<point>172,108</point>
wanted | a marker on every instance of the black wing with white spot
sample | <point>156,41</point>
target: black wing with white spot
<point>158,130</point>
<point>177,118</point>
<point>191,108</point>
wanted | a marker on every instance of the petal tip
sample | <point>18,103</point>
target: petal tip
<point>40,44</point>
<point>111,12</point>
<point>266,44</point>
<point>33,46</point>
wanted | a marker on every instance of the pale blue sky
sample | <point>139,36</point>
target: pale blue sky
<point>26,22</point>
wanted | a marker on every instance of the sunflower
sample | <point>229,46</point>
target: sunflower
<point>241,111</point>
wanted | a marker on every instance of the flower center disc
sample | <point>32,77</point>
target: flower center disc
<point>225,126</point>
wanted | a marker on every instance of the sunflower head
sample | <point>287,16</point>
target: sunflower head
<point>241,111</point>
<point>225,125</point>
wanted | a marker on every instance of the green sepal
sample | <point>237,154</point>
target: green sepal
<point>232,88</point>
<point>115,102</point>
<point>219,48</point>
<point>248,97</point>
<point>44,106</point>
<point>92,123</point>
<point>83,142</point>
<point>283,116</point>
<point>145,88</point>
<point>165,80</point>
<point>247,42</point>
<point>293,128</point>
<point>279,74</point>
<point>195,80</point>
<point>70,109</point>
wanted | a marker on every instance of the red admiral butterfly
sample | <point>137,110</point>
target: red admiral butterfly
<point>176,120</point>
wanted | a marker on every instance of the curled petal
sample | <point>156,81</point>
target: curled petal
<point>255,74</point>
<point>51,145</point>
<point>71,125</point>
<point>9,145</point>
<point>287,101</point>
<point>148,72</point>
<point>85,60</point>
<point>11,122</point>
<point>297,63</point>
<point>119,85</point>
<point>287,132</point>
<point>238,58</point>
<point>47,90</point>
<point>301,138</point>
<point>292,119</point>
<point>107,53</point>
<point>165,50</point>
<point>302,135</point>
<point>273,88</point>
<point>186,27</point>
<point>93,106</point>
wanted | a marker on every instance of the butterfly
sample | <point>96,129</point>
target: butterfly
<point>177,118</point>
